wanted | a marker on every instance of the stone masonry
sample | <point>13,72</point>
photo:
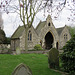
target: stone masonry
<point>44,34</point>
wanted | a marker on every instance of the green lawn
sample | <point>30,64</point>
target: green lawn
<point>37,62</point>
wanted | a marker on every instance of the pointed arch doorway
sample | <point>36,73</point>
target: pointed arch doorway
<point>49,41</point>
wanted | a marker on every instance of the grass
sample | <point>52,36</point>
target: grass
<point>37,62</point>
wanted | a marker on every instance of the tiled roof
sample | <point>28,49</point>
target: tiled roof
<point>18,32</point>
<point>20,29</point>
<point>59,30</point>
<point>40,26</point>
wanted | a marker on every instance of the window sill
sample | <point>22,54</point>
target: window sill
<point>29,41</point>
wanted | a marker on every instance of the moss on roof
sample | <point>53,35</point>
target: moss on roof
<point>20,29</point>
<point>59,30</point>
<point>18,32</point>
<point>40,26</point>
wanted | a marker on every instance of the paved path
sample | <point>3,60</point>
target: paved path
<point>63,73</point>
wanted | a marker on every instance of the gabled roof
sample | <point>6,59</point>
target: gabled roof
<point>59,30</point>
<point>40,26</point>
<point>18,32</point>
<point>20,29</point>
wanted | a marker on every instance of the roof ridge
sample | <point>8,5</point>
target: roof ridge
<point>39,24</point>
<point>19,30</point>
<point>15,31</point>
<point>59,30</point>
<point>60,27</point>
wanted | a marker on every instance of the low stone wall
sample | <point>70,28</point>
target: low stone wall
<point>4,48</point>
<point>30,52</point>
<point>37,52</point>
<point>41,51</point>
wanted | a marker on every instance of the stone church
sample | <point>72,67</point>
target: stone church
<point>44,34</point>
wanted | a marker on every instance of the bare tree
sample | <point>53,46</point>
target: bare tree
<point>57,6</point>
<point>51,6</point>
<point>27,9</point>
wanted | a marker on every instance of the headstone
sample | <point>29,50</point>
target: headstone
<point>53,58</point>
<point>22,69</point>
<point>18,51</point>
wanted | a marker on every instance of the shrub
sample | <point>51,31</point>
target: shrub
<point>37,47</point>
<point>53,58</point>
<point>8,40</point>
<point>2,37</point>
<point>68,56</point>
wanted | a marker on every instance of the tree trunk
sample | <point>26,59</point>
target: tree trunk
<point>26,39</point>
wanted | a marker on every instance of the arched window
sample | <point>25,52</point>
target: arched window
<point>29,36</point>
<point>49,24</point>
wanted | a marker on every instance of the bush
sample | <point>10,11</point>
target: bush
<point>37,47</point>
<point>72,30</point>
<point>68,56</point>
<point>8,40</point>
<point>2,37</point>
<point>53,58</point>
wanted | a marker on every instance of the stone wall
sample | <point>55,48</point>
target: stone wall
<point>31,43</point>
<point>4,48</point>
<point>15,44</point>
<point>22,41</point>
<point>63,38</point>
<point>35,39</point>
<point>38,37</point>
<point>50,29</point>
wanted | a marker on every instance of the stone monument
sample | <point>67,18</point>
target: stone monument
<point>22,69</point>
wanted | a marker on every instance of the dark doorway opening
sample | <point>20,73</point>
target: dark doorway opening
<point>48,41</point>
<point>57,45</point>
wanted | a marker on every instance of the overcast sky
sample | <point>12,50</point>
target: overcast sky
<point>12,21</point>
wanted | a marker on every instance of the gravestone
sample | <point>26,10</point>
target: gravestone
<point>22,69</point>
<point>18,51</point>
<point>53,58</point>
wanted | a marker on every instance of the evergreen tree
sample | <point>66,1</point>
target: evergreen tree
<point>72,30</point>
<point>68,56</point>
<point>2,37</point>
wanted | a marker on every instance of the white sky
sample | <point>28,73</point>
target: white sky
<point>12,21</point>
